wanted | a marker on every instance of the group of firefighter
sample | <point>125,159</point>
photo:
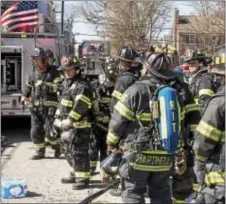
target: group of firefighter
<point>86,120</point>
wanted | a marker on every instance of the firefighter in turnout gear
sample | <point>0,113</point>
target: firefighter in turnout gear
<point>201,83</point>
<point>103,87</point>
<point>73,122</point>
<point>126,74</point>
<point>50,56</point>
<point>145,161</point>
<point>51,61</point>
<point>209,145</point>
<point>41,93</point>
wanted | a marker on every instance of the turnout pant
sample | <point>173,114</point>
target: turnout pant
<point>77,154</point>
<point>135,183</point>
<point>183,184</point>
<point>41,124</point>
<point>214,195</point>
<point>100,133</point>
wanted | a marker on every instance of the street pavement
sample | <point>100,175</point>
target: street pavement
<point>42,176</point>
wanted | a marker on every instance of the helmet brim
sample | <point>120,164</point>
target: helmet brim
<point>198,58</point>
<point>37,57</point>
<point>66,67</point>
<point>123,59</point>
<point>216,71</point>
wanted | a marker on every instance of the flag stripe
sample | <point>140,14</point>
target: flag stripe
<point>13,21</point>
<point>10,10</point>
<point>19,13</point>
<point>17,17</point>
<point>21,29</point>
<point>25,21</point>
<point>22,24</point>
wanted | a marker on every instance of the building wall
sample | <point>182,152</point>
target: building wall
<point>179,33</point>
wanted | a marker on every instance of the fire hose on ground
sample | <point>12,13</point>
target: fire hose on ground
<point>95,195</point>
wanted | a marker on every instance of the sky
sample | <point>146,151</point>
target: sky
<point>79,27</point>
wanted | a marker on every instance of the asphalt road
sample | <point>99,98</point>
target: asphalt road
<point>43,176</point>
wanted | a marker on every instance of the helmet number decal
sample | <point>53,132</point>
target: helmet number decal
<point>64,61</point>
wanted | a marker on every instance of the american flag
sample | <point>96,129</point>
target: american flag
<point>21,16</point>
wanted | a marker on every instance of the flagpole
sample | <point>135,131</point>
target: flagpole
<point>62,17</point>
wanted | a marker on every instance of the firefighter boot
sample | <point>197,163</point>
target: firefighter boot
<point>81,184</point>
<point>69,179</point>
<point>117,191</point>
<point>40,154</point>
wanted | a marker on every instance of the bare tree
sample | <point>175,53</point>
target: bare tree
<point>208,25</point>
<point>137,23</point>
<point>72,15</point>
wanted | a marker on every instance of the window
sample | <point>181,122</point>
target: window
<point>192,39</point>
<point>183,21</point>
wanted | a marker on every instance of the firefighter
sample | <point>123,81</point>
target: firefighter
<point>130,129</point>
<point>73,122</point>
<point>103,87</point>
<point>173,54</point>
<point>41,92</point>
<point>50,56</point>
<point>126,75</point>
<point>201,83</point>
<point>209,145</point>
<point>51,60</point>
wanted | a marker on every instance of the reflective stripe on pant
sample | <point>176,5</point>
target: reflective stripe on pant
<point>135,183</point>
<point>93,164</point>
<point>51,142</point>
<point>82,175</point>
